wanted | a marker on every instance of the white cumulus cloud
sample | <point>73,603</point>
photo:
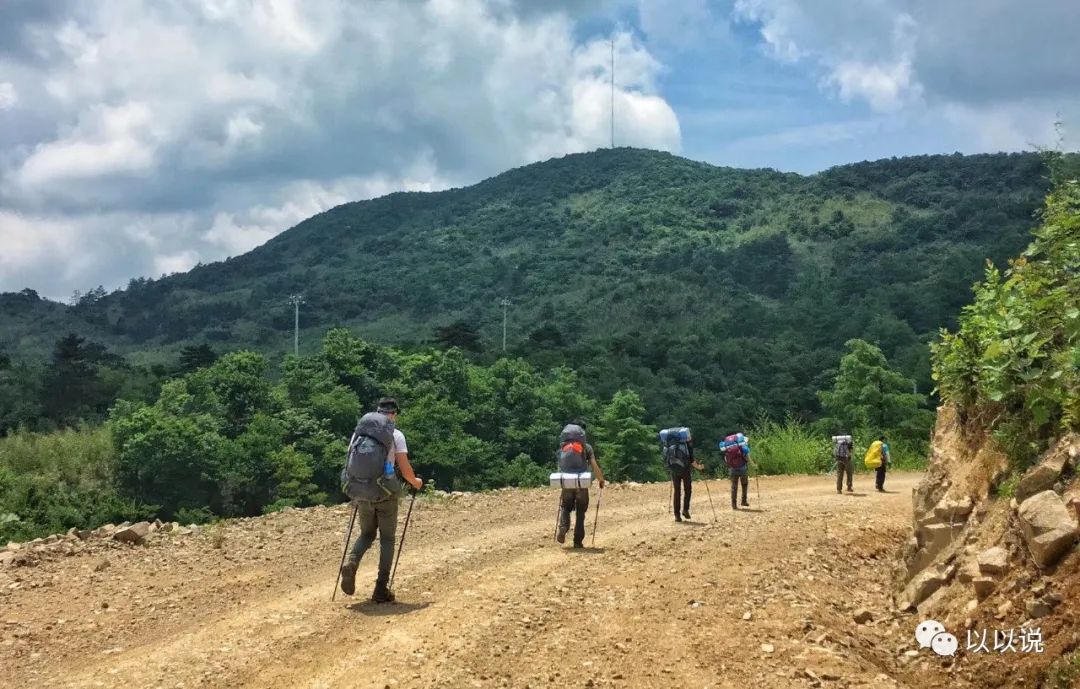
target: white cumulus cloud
<point>157,134</point>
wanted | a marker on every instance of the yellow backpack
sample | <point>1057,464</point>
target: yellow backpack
<point>873,455</point>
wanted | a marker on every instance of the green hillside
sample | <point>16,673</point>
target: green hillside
<point>717,293</point>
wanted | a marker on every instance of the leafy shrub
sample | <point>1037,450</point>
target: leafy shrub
<point>1015,359</point>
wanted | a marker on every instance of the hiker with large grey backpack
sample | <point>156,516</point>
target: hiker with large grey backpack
<point>677,451</point>
<point>576,458</point>
<point>845,463</point>
<point>377,450</point>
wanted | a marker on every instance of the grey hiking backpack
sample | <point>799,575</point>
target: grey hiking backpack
<point>676,456</point>
<point>372,444</point>
<point>842,447</point>
<point>572,453</point>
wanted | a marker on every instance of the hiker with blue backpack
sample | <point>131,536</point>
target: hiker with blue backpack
<point>677,450</point>
<point>576,458</point>
<point>736,449</point>
<point>377,448</point>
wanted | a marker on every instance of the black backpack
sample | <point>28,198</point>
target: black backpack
<point>572,452</point>
<point>371,445</point>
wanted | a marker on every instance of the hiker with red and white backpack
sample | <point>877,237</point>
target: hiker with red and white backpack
<point>736,449</point>
<point>576,458</point>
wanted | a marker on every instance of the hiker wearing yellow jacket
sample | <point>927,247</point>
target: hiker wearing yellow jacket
<point>877,458</point>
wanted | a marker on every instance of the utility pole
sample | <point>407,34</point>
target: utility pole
<point>613,91</point>
<point>296,300</point>
<point>505,304</point>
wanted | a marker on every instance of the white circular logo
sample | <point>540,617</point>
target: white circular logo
<point>944,644</point>
<point>926,631</point>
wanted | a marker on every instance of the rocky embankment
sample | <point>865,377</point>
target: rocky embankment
<point>996,567</point>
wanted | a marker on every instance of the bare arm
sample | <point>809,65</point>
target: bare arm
<point>596,470</point>
<point>407,470</point>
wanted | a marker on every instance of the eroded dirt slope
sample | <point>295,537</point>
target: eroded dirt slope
<point>487,599</point>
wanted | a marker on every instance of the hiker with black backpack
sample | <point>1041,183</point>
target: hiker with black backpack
<point>575,456</point>
<point>736,450</point>
<point>677,450</point>
<point>845,463</point>
<point>370,481</point>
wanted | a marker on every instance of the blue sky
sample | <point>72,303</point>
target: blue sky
<point>138,138</point>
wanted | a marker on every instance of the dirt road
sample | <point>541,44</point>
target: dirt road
<point>761,598</point>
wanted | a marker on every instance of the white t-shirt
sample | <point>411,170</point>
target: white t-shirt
<point>399,444</point>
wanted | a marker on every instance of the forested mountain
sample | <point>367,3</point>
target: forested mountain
<point>717,293</point>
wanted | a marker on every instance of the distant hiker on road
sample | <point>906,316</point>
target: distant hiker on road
<point>737,457</point>
<point>877,458</point>
<point>842,445</point>
<point>677,448</point>
<point>369,479</point>
<point>576,456</point>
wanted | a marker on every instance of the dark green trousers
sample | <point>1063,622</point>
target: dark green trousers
<point>377,518</point>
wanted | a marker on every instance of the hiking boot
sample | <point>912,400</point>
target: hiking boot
<point>382,594</point>
<point>745,503</point>
<point>560,535</point>
<point>678,518</point>
<point>734,506</point>
<point>579,545</point>
<point>686,514</point>
<point>348,577</point>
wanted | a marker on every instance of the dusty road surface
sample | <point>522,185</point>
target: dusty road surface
<point>760,598</point>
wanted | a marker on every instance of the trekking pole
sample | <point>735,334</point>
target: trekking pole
<point>401,545</point>
<point>558,515</point>
<point>709,493</point>
<point>757,482</point>
<point>670,487</point>
<point>596,517</point>
<point>348,537</point>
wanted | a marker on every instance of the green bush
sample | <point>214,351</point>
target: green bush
<point>788,448</point>
<point>52,482</point>
<point>1014,361</point>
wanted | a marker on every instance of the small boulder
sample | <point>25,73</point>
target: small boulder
<point>135,534</point>
<point>968,572</point>
<point>862,616</point>
<point>949,510</point>
<point>1038,608</point>
<point>993,561</point>
<point>1046,473</point>
<point>933,540</point>
<point>7,557</point>
<point>1048,530</point>
<point>101,565</point>
<point>984,586</point>
<point>922,587</point>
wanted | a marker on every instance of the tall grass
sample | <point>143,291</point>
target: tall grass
<point>793,447</point>
<point>790,447</point>
<point>50,482</point>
